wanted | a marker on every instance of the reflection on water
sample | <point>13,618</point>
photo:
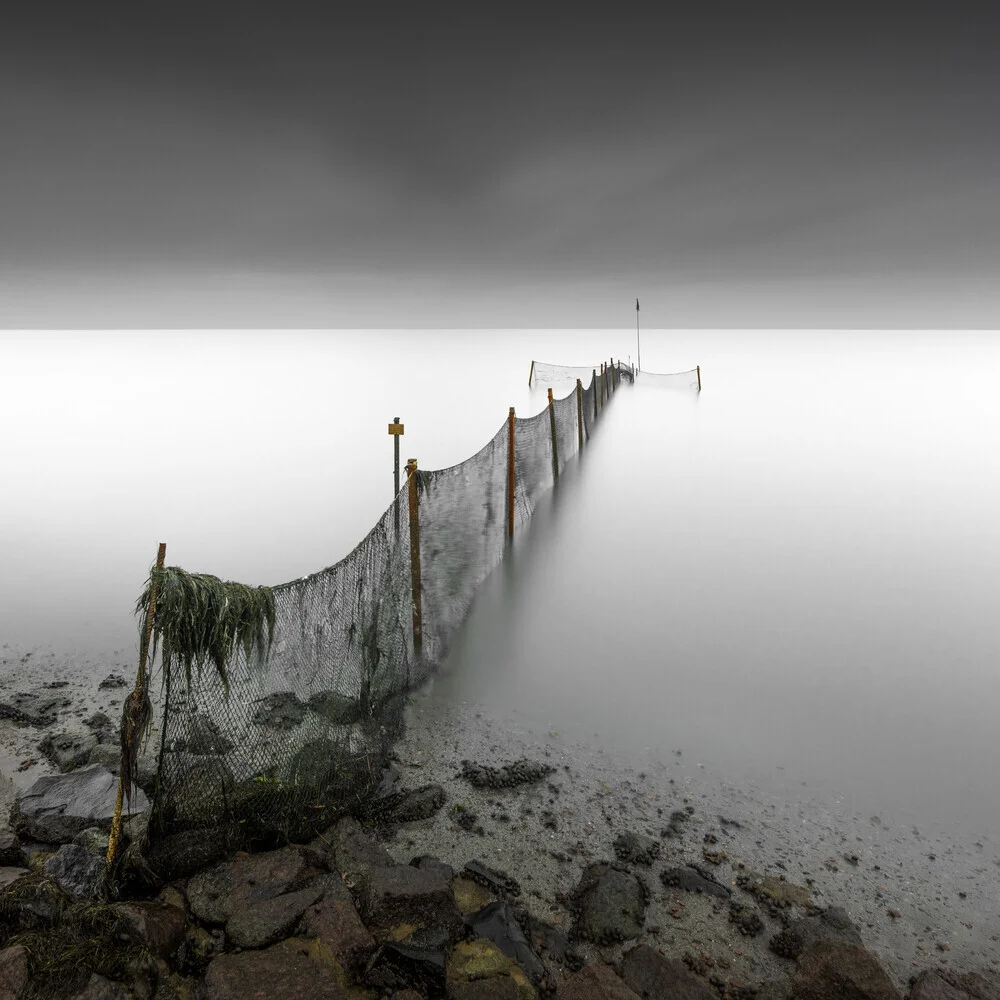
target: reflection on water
<point>794,569</point>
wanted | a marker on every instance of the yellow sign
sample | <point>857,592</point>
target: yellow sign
<point>395,428</point>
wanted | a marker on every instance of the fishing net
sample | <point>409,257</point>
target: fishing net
<point>676,380</point>
<point>307,727</point>
<point>562,378</point>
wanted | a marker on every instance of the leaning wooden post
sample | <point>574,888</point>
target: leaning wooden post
<point>418,618</point>
<point>601,390</point>
<point>699,378</point>
<point>531,373</point>
<point>555,448</point>
<point>140,684</point>
<point>614,388</point>
<point>510,473</point>
<point>579,412</point>
<point>593,382</point>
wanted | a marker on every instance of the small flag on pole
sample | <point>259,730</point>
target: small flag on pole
<point>636,305</point>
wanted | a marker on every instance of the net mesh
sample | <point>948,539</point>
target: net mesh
<point>307,728</point>
<point>676,380</point>
<point>562,378</point>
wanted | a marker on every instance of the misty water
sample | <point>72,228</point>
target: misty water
<point>790,576</point>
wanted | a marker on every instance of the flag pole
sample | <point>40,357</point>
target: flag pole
<point>638,351</point>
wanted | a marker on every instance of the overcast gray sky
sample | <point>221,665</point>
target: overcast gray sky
<point>292,165</point>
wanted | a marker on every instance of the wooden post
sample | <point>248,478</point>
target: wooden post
<point>555,447</point>
<point>417,604</point>
<point>602,385</point>
<point>579,412</point>
<point>140,682</point>
<point>699,378</point>
<point>596,390</point>
<point>396,430</point>
<point>510,473</point>
<point>532,372</point>
<point>614,388</point>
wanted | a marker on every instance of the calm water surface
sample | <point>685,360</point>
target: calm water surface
<point>791,575</point>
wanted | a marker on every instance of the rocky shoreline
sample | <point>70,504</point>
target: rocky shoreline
<point>498,863</point>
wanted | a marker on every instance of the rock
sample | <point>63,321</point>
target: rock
<point>99,723</point>
<point>430,863</point>
<point>832,924</point>
<point>496,922</point>
<point>37,708</point>
<point>521,772</point>
<point>292,970</point>
<point>610,904</point>
<point>111,682</point>
<point>403,894</point>
<point>635,849</point>
<point>77,871</point>
<point>836,970</point>
<point>479,969</point>
<point>746,918</point>
<point>595,982</point>
<point>978,986</point>
<point>216,895</point>
<point>270,920</point>
<point>355,853</point>
<point>692,880</point>
<point>545,939</point>
<point>398,965</point>
<point>176,987</point>
<point>68,750</point>
<point>930,986</point>
<point>496,882</point>
<point>649,974</point>
<point>470,897</point>
<point>197,783</point>
<point>282,711</point>
<point>11,853</point>
<point>99,988</point>
<point>203,737</point>
<point>36,905</point>
<point>335,708</point>
<point>58,806</point>
<point>93,839</point>
<point>13,972</point>
<point>198,948</point>
<point>407,806</point>
<point>337,924</point>
<point>158,927</point>
<point>108,755</point>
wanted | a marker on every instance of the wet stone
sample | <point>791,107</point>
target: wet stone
<point>101,988</point>
<point>931,986</point>
<point>270,920</point>
<point>407,806</point>
<point>479,970</point>
<point>11,853</point>
<point>649,974</point>
<point>77,871</point>
<point>354,852</point>
<point>595,982</point>
<point>489,878</point>
<point>746,918</point>
<point>335,708</point>
<point>397,966</point>
<point>403,894</point>
<point>282,710</point>
<point>13,972</point>
<point>636,849</point>
<point>157,926</point>
<point>203,737</point>
<point>337,924</point>
<point>68,750</point>
<point>692,880</point>
<point>521,772</point>
<point>38,708</point>
<point>832,924</point>
<point>497,923</point>
<point>834,969</point>
<point>610,905</point>
<point>112,682</point>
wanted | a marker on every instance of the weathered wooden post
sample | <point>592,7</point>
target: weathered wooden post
<point>593,382</point>
<point>602,385</point>
<point>137,693</point>
<point>418,618</point>
<point>532,372</point>
<point>510,473</point>
<point>699,378</point>
<point>396,430</point>
<point>555,447</point>
<point>579,412</point>
<point>614,388</point>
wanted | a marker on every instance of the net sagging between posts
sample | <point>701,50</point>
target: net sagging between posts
<point>675,380</point>
<point>306,729</point>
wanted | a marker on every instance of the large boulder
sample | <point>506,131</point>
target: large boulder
<point>68,750</point>
<point>58,806</point>
<point>354,852</point>
<point>335,921</point>
<point>609,904</point>
<point>832,924</point>
<point>270,920</point>
<point>292,969</point>
<point>496,922</point>
<point>77,871</point>
<point>403,894</point>
<point>157,926</point>
<point>649,974</point>
<point>216,895</point>
<point>595,982</point>
<point>13,972</point>
<point>39,708</point>
<point>479,970</point>
<point>838,970</point>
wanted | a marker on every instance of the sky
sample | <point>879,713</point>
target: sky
<point>487,165</point>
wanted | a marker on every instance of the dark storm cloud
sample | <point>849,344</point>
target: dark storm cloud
<point>475,150</point>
